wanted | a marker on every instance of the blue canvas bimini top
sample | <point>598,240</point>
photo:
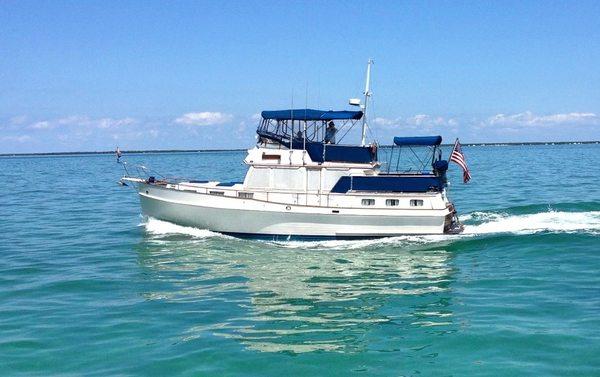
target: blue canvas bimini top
<point>311,114</point>
<point>418,140</point>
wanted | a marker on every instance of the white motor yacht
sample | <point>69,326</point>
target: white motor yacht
<point>302,184</point>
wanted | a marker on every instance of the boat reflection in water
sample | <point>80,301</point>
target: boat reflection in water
<point>271,298</point>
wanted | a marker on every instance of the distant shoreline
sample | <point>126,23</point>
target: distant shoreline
<point>159,151</point>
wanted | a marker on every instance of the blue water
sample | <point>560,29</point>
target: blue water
<point>88,287</point>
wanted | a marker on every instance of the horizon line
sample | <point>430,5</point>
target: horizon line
<point>158,151</point>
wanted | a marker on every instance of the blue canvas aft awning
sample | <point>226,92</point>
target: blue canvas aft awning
<point>418,140</point>
<point>311,114</point>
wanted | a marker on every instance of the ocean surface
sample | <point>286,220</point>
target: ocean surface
<point>89,287</point>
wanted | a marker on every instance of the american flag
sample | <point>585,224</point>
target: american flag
<point>459,158</point>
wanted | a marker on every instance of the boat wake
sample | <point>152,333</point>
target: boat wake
<point>480,224</point>
<point>477,224</point>
<point>161,228</point>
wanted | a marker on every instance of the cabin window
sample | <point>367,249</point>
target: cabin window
<point>314,179</point>
<point>258,177</point>
<point>271,157</point>
<point>416,203</point>
<point>218,193</point>
<point>368,202</point>
<point>392,202</point>
<point>246,195</point>
<point>288,179</point>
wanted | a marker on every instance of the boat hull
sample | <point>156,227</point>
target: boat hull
<point>260,219</point>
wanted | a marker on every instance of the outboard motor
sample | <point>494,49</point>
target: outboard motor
<point>440,167</point>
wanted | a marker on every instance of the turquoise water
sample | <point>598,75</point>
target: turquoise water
<point>89,287</point>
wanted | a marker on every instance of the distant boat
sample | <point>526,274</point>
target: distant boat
<point>300,184</point>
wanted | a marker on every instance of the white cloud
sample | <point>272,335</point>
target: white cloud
<point>73,120</point>
<point>380,121</point>
<point>528,118</point>
<point>426,121</point>
<point>206,118</point>
<point>419,121</point>
<point>499,121</point>
<point>109,123</point>
<point>90,133</point>
<point>41,125</point>
<point>18,138</point>
<point>82,121</point>
<point>129,135</point>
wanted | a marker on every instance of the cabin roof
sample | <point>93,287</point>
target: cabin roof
<point>311,114</point>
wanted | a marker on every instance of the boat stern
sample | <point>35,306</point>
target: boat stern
<point>452,224</point>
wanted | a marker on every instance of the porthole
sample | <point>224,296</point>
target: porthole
<point>416,203</point>
<point>368,202</point>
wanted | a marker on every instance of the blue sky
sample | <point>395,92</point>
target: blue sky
<point>90,75</point>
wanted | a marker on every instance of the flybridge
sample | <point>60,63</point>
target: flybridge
<point>316,132</point>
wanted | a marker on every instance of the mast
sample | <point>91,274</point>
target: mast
<point>364,107</point>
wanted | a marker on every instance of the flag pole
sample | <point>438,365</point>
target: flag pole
<point>454,148</point>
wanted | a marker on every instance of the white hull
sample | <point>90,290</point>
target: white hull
<point>249,217</point>
<point>302,181</point>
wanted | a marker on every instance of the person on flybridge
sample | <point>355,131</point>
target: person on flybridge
<point>330,133</point>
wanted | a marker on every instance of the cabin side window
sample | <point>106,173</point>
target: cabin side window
<point>287,179</point>
<point>392,202</point>
<point>218,193</point>
<point>257,177</point>
<point>416,203</point>
<point>246,195</point>
<point>368,202</point>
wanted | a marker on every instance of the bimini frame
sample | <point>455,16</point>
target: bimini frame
<point>305,125</point>
<point>421,161</point>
